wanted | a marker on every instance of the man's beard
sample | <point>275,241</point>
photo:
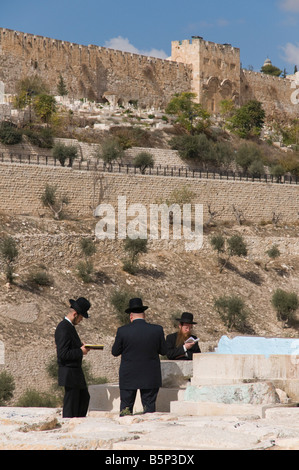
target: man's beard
<point>181,338</point>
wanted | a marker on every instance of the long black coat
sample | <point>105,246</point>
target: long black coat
<point>69,356</point>
<point>178,353</point>
<point>139,344</point>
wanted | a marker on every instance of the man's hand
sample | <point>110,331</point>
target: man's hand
<point>84,349</point>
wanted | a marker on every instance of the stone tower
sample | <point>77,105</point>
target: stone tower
<point>216,70</point>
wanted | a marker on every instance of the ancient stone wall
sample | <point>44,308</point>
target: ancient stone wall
<point>216,70</point>
<point>22,185</point>
<point>212,71</point>
<point>90,71</point>
<point>274,92</point>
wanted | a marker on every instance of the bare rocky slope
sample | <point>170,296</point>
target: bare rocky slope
<point>170,281</point>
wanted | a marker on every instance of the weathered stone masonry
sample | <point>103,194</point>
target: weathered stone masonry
<point>22,185</point>
<point>90,71</point>
<point>212,71</point>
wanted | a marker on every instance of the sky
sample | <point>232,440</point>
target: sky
<point>260,28</point>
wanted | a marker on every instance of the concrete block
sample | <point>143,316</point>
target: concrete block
<point>215,409</point>
<point>106,397</point>
<point>259,393</point>
<point>176,374</point>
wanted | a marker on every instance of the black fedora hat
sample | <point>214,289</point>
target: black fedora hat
<point>81,306</point>
<point>136,306</point>
<point>187,318</point>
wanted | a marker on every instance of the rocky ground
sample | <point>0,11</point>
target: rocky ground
<point>44,429</point>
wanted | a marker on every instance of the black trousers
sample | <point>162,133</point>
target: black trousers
<point>148,399</point>
<point>76,401</point>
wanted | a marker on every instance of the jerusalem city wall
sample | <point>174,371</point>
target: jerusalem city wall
<point>22,185</point>
<point>274,92</point>
<point>90,71</point>
<point>212,71</point>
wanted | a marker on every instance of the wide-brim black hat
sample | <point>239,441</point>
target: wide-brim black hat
<point>186,318</point>
<point>81,306</point>
<point>136,306</point>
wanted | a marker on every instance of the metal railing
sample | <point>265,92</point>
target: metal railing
<point>159,170</point>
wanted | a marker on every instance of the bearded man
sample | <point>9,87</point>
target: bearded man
<point>183,344</point>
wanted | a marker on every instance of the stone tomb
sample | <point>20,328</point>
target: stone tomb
<point>176,375</point>
<point>244,375</point>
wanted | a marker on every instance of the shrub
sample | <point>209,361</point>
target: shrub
<point>87,246</point>
<point>85,271</point>
<point>9,135</point>
<point>42,137</point>
<point>49,199</point>
<point>7,387</point>
<point>120,301</point>
<point>248,155</point>
<point>248,120</point>
<point>8,252</point>
<point>285,304</point>
<point>33,398</point>
<point>232,312</point>
<point>39,277</point>
<point>234,246</point>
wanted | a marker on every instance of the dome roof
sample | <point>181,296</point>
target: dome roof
<point>267,62</point>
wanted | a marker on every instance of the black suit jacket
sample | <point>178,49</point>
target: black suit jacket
<point>139,344</point>
<point>178,353</point>
<point>69,356</point>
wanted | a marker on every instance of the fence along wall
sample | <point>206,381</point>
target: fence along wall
<point>22,185</point>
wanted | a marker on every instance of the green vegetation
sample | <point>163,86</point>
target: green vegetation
<point>133,248</point>
<point>232,311</point>
<point>143,160</point>
<point>233,246</point>
<point>8,254</point>
<point>285,304</point>
<point>53,202</point>
<point>7,387</point>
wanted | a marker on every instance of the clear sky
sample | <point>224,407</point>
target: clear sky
<point>260,28</point>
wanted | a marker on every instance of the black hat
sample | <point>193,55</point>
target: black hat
<point>136,306</point>
<point>81,306</point>
<point>187,318</point>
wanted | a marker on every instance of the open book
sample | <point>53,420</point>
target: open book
<point>192,340</point>
<point>94,346</point>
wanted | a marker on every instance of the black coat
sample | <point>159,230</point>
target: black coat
<point>178,353</point>
<point>69,356</point>
<point>139,344</point>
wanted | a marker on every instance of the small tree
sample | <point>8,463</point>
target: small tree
<point>111,151</point>
<point>45,107</point>
<point>273,253</point>
<point>85,268</point>
<point>285,304</point>
<point>61,87</point>
<point>143,161</point>
<point>9,253</point>
<point>248,120</point>
<point>191,115</point>
<point>134,248</point>
<point>55,204</point>
<point>234,246</point>
<point>232,312</point>
<point>65,152</point>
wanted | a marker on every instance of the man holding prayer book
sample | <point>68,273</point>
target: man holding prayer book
<point>70,352</point>
<point>183,344</point>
